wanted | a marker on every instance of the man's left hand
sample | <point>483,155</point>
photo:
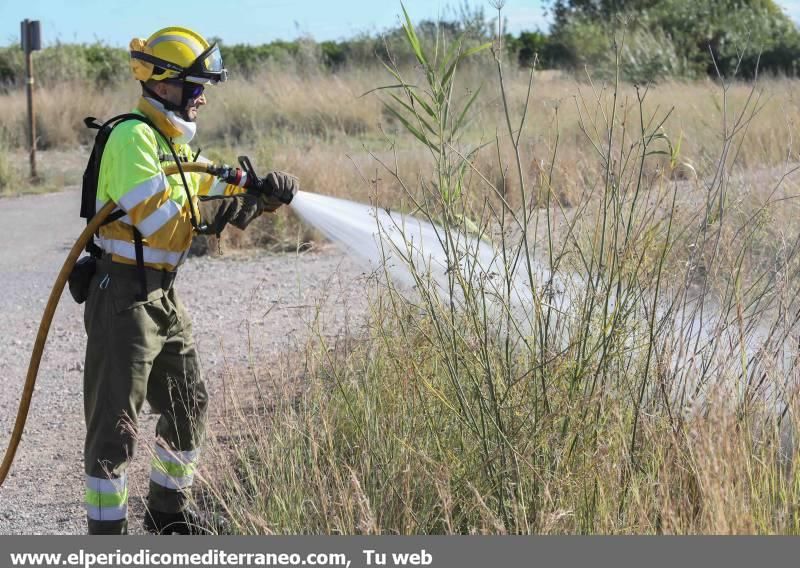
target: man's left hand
<point>276,189</point>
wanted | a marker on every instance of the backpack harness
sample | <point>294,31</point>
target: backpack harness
<point>89,187</point>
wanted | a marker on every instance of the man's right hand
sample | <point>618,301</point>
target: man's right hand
<point>219,210</point>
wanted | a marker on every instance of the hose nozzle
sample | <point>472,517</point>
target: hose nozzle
<point>260,186</point>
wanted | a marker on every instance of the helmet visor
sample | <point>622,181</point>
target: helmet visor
<point>208,67</point>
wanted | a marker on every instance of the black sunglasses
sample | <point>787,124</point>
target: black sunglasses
<point>194,90</point>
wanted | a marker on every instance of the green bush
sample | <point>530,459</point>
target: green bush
<point>530,46</point>
<point>12,66</point>
<point>96,63</point>
<point>678,38</point>
<point>244,60</point>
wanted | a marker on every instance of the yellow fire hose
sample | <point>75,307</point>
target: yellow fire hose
<point>50,309</point>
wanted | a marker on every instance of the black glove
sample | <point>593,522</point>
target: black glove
<point>275,189</point>
<point>219,210</point>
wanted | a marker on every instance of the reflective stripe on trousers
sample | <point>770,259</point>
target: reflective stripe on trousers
<point>173,469</point>
<point>106,499</point>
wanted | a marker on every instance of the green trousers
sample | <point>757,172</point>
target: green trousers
<point>138,349</point>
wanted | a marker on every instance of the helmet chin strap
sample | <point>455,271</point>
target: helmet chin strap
<point>180,110</point>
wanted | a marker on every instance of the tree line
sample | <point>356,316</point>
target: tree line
<point>648,39</point>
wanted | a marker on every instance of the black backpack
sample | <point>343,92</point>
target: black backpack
<point>92,172</point>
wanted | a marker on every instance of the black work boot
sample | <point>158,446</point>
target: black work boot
<point>107,527</point>
<point>187,521</point>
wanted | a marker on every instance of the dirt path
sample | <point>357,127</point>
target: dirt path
<point>226,296</point>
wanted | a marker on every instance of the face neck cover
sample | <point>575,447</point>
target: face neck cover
<point>188,129</point>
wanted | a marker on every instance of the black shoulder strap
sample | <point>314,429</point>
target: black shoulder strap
<point>137,240</point>
<point>93,123</point>
<point>93,249</point>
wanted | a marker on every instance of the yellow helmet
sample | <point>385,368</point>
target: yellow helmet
<point>176,53</point>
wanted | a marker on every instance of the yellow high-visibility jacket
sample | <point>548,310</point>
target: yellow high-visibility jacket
<point>131,175</point>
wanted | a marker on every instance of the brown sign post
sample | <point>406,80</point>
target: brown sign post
<point>31,41</point>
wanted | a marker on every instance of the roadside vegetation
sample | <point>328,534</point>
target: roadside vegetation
<point>661,398</point>
<point>629,361</point>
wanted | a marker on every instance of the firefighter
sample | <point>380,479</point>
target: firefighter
<point>140,344</point>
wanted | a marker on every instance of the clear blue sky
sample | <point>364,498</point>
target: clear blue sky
<point>235,21</point>
<point>244,21</point>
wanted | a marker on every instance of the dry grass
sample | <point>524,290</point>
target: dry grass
<point>320,127</point>
<point>60,113</point>
<point>270,105</point>
<point>280,107</point>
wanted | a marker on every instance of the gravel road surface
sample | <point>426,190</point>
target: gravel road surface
<point>226,296</point>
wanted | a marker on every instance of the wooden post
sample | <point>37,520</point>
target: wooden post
<point>31,40</point>
<point>31,113</point>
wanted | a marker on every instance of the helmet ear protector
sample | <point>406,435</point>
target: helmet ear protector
<point>140,53</point>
